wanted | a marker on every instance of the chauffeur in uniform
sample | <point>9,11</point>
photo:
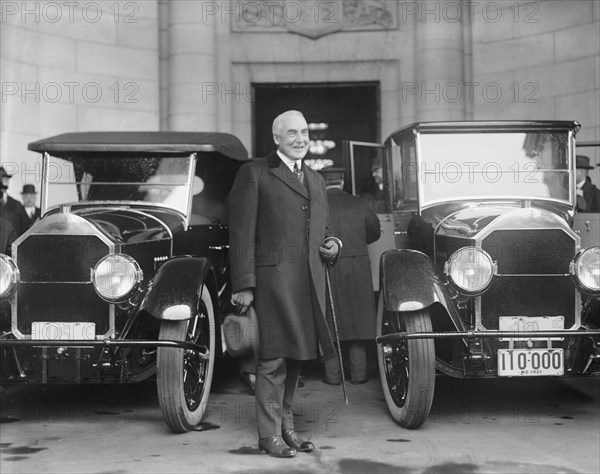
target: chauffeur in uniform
<point>279,243</point>
<point>351,282</point>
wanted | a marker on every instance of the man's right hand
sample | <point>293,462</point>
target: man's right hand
<point>243,299</point>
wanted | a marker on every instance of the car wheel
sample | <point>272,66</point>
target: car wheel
<point>407,368</point>
<point>183,377</point>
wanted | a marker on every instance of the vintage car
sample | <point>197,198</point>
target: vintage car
<point>480,271</point>
<point>125,275</point>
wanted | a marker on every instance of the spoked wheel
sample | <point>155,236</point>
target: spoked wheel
<point>407,368</point>
<point>184,376</point>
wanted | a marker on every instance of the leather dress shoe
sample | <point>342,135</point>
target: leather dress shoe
<point>359,382</point>
<point>276,447</point>
<point>249,380</point>
<point>294,441</point>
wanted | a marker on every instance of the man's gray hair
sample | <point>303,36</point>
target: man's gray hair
<point>280,118</point>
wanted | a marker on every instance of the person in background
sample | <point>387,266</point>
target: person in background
<point>11,209</point>
<point>29,196</point>
<point>279,245</point>
<point>375,193</point>
<point>588,195</point>
<point>356,225</point>
<point>7,236</point>
<point>377,173</point>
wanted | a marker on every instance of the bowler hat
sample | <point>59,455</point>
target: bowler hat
<point>28,189</point>
<point>583,162</point>
<point>3,173</point>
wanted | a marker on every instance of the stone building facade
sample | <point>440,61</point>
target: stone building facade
<point>191,65</point>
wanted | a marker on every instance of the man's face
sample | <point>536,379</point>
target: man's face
<point>377,174</point>
<point>580,175</point>
<point>28,199</point>
<point>292,140</point>
<point>5,181</point>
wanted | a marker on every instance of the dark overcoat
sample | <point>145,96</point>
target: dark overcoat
<point>591,196</point>
<point>7,236</point>
<point>16,214</point>
<point>276,227</point>
<point>31,220</point>
<point>356,225</point>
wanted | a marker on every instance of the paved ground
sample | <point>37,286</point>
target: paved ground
<point>483,426</point>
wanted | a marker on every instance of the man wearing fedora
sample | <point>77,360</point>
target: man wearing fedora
<point>588,195</point>
<point>29,197</point>
<point>11,209</point>
<point>279,244</point>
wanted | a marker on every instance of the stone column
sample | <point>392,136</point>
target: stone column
<point>440,83</point>
<point>192,90</point>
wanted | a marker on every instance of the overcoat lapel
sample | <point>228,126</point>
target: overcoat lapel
<point>279,169</point>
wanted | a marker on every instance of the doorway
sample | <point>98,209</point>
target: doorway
<point>338,111</point>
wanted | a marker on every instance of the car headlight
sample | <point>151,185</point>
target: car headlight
<point>585,268</point>
<point>115,276</point>
<point>471,270</point>
<point>9,275</point>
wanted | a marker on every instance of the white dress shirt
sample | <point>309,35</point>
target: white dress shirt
<point>290,163</point>
<point>30,210</point>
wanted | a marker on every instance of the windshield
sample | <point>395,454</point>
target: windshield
<point>111,177</point>
<point>493,165</point>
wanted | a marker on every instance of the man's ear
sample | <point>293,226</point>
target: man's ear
<point>276,139</point>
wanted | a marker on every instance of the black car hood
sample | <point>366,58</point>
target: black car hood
<point>129,225</point>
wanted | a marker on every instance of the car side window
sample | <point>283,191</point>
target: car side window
<point>404,161</point>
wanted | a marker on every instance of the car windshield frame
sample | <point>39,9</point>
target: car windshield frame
<point>427,168</point>
<point>59,170</point>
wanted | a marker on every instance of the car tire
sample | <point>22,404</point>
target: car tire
<point>183,379</point>
<point>406,369</point>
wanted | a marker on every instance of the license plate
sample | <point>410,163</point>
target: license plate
<point>58,331</point>
<point>527,362</point>
<point>525,327</point>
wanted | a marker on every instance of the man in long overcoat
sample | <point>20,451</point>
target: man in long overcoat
<point>11,209</point>
<point>588,196</point>
<point>356,225</point>
<point>31,210</point>
<point>279,243</point>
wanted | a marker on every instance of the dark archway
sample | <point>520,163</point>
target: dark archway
<point>351,109</point>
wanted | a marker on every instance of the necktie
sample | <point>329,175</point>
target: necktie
<point>299,173</point>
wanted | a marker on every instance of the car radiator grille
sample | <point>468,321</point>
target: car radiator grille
<point>533,275</point>
<point>55,281</point>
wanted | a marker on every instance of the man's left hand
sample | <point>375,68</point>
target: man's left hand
<point>329,250</point>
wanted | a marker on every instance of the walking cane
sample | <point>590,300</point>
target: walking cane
<point>337,336</point>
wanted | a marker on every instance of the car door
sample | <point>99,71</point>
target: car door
<point>368,166</point>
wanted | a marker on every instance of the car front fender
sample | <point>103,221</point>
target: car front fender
<point>174,291</point>
<point>410,282</point>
